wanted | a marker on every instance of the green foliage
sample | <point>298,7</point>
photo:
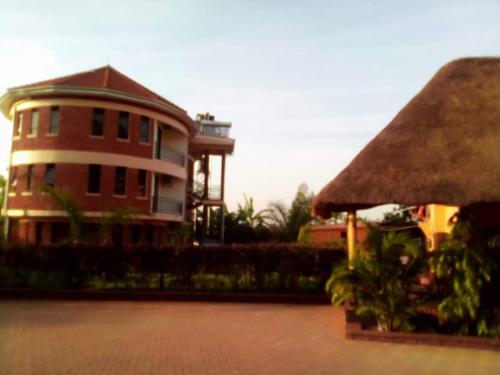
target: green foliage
<point>245,225</point>
<point>300,211</point>
<point>399,216</point>
<point>275,223</point>
<point>304,236</point>
<point>278,222</point>
<point>181,235</point>
<point>246,215</point>
<point>77,220</point>
<point>380,280</point>
<point>273,268</point>
<point>75,215</point>
<point>462,272</point>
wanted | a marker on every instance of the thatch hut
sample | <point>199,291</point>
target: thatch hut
<point>443,147</point>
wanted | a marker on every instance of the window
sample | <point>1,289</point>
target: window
<point>135,234</point>
<point>123,125</point>
<point>59,232</point>
<point>141,183</point>
<point>54,120</point>
<point>117,235</point>
<point>29,178</point>
<point>144,130</point>
<point>49,178</point>
<point>13,180</point>
<point>18,126</point>
<point>34,123</point>
<point>120,180</point>
<point>150,234</point>
<point>97,122</point>
<point>38,233</point>
<point>94,179</point>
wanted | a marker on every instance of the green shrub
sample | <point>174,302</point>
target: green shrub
<point>257,267</point>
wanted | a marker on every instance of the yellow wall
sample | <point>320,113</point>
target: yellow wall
<point>437,222</point>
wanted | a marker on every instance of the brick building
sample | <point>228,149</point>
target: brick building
<point>109,143</point>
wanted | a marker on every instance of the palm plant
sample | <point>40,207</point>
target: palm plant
<point>77,220</point>
<point>246,214</point>
<point>380,280</point>
<point>278,220</point>
<point>75,215</point>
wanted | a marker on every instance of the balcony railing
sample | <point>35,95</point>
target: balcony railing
<point>215,131</point>
<point>167,205</point>
<point>170,154</point>
<point>214,193</point>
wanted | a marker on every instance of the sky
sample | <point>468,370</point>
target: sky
<point>306,84</point>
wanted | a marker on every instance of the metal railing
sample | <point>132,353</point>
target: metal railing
<point>214,193</point>
<point>167,205</point>
<point>215,131</point>
<point>169,153</point>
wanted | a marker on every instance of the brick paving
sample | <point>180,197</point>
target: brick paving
<point>55,337</point>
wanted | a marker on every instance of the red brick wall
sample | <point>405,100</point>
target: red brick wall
<point>74,133</point>
<point>322,234</point>
<point>73,177</point>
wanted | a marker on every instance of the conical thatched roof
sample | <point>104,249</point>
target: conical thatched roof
<point>442,147</point>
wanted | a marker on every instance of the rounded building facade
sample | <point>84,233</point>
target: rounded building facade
<point>104,143</point>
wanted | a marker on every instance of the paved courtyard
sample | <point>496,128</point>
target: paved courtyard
<point>207,338</point>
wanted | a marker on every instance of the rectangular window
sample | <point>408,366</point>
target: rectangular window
<point>94,179</point>
<point>49,177</point>
<point>144,130</point>
<point>34,123</point>
<point>120,180</point>
<point>18,126</point>
<point>123,124</point>
<point>135,234</point>
<point>150,234</point>
<point>117,235</point>
<point>97,122</point>
<point>54,120</point>
<point>141,183</point>
<point>38,233</point>
<point>29,178</point>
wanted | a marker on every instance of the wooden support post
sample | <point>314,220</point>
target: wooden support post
<point>206,171</point>
<point>223,176</point>
<point>351,237</point>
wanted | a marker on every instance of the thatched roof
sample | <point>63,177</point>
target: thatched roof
<point>442,147</point>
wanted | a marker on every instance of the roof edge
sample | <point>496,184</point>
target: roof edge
<point>15,94</point>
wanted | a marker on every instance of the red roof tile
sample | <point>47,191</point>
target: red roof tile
<point>106,77</point>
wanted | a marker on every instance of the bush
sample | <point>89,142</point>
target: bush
<point>238,268</point>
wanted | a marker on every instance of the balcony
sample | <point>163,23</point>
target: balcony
<point>214,193</point>
<point>170,154</point>
<point>167,205</point>
<point>212,130</point>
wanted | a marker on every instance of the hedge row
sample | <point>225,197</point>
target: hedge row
<point>257,268</point>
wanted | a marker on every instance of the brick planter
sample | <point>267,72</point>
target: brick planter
<point>355,332</point>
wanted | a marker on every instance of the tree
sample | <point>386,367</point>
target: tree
<point>77,220</point>
<point>399,216</point>
<point>278,221</point>
<point>463,269</point>
<point>380,281</point>
<point>300,211</point>
<point>245,225</point>
<point>246,214</point>
<point>75,215</point>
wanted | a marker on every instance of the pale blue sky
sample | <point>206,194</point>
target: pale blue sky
<point>306,84</point>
